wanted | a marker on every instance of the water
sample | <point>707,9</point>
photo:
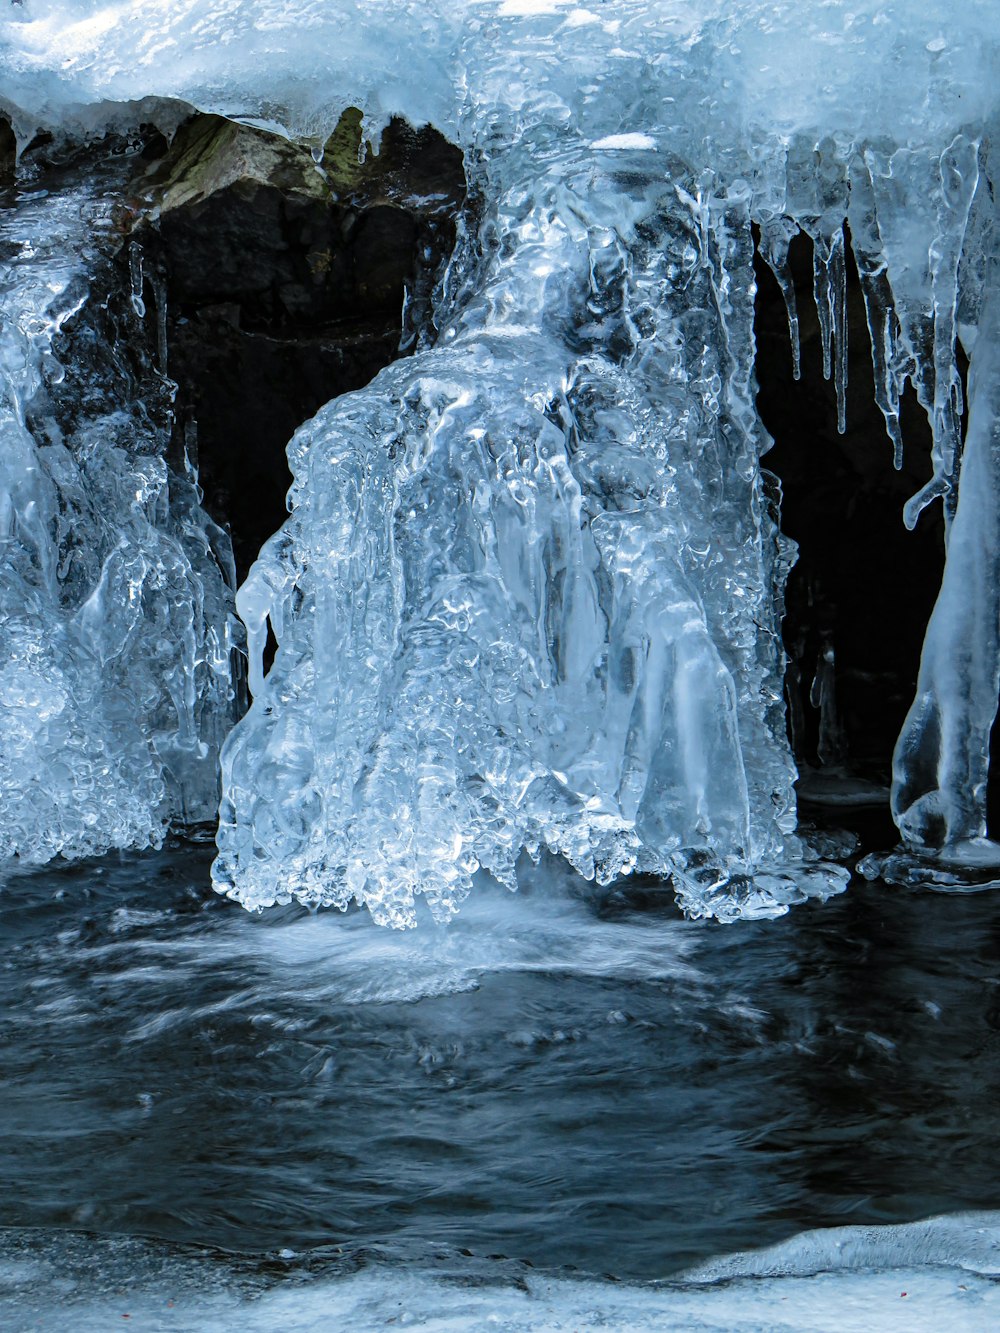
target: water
<point>577,1079</point>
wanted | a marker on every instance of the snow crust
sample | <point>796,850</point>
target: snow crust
<point>530,588</point>
<point>929,1275</point>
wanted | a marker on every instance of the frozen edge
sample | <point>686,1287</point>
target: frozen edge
<point>925,1275</point>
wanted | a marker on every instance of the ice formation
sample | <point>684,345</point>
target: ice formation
<point>116,626</point>
<point>915,1278</point>
<point>529,592</point>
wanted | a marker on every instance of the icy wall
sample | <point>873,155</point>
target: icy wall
<point>530,588</point>
<point>116,624</point>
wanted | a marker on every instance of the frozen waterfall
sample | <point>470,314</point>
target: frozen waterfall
<point>529,593</point>
<point>117,628</point>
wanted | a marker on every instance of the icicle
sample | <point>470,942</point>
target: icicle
<point>936,489</point>
<point>830,294</point>
<point>776,235</point>
<point>882,329</point>
<point>883,326</point>
<point>824,303</point>
<point>816,196</point>
<point>160,292</point>
<point>942,757</point>
<point>840,332</point>
<point>959,178</point>
<point>837,288</point>
<point>135,278</point>
<point>922,206</point>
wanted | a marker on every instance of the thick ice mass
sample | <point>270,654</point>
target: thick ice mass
<point>116,628</point>
<point>532,626</point>
<point>530,588</point>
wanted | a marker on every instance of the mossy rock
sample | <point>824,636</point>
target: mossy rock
<point>345,154</point>
<point>284,285</point>
<point>239,215</point>
<point>210,154</point>
<point>415,169</point>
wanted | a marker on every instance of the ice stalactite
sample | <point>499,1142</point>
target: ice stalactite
<point>922,204</point>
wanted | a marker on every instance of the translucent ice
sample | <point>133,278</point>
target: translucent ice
<point>529,561</point>
<point>942,757</point>
<point>530,588</point>
<point>115,630</point>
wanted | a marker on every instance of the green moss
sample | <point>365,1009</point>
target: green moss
<point>210,153</point>
<point>343,160</point>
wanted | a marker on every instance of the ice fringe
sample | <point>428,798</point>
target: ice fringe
<point>915,1278</point>
<point>530,588</point>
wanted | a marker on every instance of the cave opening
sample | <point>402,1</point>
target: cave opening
<point>280,278</point>
<point>862,589</point>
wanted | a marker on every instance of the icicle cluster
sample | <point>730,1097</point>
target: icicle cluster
<point>922,229</point>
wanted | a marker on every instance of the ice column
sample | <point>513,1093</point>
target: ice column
<point>941,761</point>
<point>527,594</point>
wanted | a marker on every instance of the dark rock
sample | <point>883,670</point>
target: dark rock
<point>243,216</point>
<point>414,169</point>
<point>283,284</point>
<point>8,152</point>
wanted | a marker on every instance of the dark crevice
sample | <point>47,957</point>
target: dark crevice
<point>284,286</point>
<point>8,152</point>
<point>860,595</point>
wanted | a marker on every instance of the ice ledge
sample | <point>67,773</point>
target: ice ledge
<point>916,1278</point>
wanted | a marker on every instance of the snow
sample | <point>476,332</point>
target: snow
<point>922,1276</point>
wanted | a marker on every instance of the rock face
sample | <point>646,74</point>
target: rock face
<point>8,152</point>
<point>280,282</point>
<point>244,218</point>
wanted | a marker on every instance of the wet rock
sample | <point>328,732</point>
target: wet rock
<point>8,152</point>
<point>414,169</point>
<point>281,282</point>
<point>243,216</point>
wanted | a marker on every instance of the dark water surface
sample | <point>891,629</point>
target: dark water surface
<point>559,1077</point>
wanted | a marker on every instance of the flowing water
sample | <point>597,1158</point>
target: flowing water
<point>578,1079</point>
